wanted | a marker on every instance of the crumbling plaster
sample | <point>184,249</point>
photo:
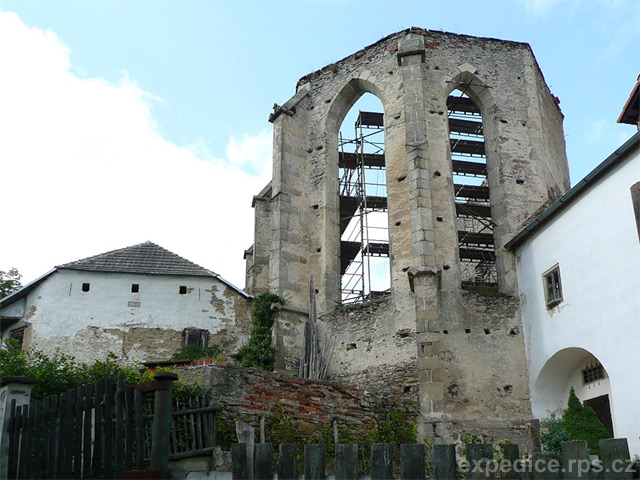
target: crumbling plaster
<point>142,326</point>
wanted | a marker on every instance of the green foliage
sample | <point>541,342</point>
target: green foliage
<point>398,429</point>
<point>258,352</point>
<point>281,429</point>
<point>9,282</point>
<point>59,372</point>
<point>582,423</point>
<point>553,434</point>
<point>195,352</point>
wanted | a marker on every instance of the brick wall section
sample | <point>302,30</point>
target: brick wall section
<point>310,404</point>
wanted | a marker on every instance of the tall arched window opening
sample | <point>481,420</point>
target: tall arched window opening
<point>364,229</point>
<point>475,226</point>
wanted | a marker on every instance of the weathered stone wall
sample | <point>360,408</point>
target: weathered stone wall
<point>310,405</point>
<point>374,348</point>
<point>412,73</point>
<point>484,373</point>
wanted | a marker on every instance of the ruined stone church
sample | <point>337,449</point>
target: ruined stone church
<point>469,147</point>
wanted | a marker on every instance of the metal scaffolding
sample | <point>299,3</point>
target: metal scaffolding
<point>476,244</point>
<point>364,231</point>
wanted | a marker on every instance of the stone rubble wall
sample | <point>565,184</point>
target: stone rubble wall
<point>311,405</point>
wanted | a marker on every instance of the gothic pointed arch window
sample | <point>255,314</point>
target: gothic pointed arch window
<point>364,230</point>
<point>476,244</point>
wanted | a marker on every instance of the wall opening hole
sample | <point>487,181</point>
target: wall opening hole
<point>182,290</point>
<point>398,224</point>
<point>519,181</point>
<point>401,179</point>
<point>446,332</point>
<point>487,331</point>
<point>318,250</point>
<point>467,330</point>
<point>135,288</point>
<point>439,219</point>
<point>315,207</point>
<point>407,389</point>
<point>86,287</point>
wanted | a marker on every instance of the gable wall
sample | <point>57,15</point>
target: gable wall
<point>137,326</point>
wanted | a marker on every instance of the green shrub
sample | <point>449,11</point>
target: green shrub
<point>398,429</point>
<point>59,372</point>
<point>196,352</point>
<point>258,352</point>
<point>582,423</point>
<point>553,434</point>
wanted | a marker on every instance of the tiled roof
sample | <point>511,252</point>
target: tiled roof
<point>146,258</point>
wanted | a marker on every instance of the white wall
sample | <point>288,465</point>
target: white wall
<point>89,324</point>
<point>595,242</point>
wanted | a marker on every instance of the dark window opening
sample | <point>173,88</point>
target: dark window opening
<point>476,245</point>
<point>18,335</point>
<point>195,337</point>
<point>86,287</point>
<point>552,287</point>
<point>364,222</point>
<point>135,288</point>
<point>183,290</point>
<point>592,373</point>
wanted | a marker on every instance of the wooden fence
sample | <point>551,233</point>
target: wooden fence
<point>105,430</point>
<point>479,462</point>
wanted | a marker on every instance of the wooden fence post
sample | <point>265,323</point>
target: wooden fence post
<point>381,461</point>
<point>314,461</point>
<point>11,388</point>
<point>479,455</point>
<point>575,460</point>
<point>263,468</point>
<point>616,463</point>
<point>346,461</point>
<point>545,466</point>
<point>444,462</point>
<point>239,462</point>
<point>287,462</point>
<point>511,454</point>
<point>161,422</point>
<point>412,458</point>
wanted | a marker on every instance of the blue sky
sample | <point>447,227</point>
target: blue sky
<point>140,120</point>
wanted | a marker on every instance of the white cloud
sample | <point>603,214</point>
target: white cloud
<point>83,169</point>
<point>606,131</point>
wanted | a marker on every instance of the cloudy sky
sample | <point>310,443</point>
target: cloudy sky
<point>124,121</point>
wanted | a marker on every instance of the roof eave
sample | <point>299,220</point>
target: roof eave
<point>575,192</point>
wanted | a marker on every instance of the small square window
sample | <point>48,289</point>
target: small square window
<point>183,290</point>
<point>18,335</point>
<point>86,287</point>
<point>135,288</point>
<point>195,337</point>
<point>552,286</point>
<point>592,373</point>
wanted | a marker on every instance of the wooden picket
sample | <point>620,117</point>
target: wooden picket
<point>615,463</point>
<point>102,430</point>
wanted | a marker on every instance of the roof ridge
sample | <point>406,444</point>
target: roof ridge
<point>145,258</point>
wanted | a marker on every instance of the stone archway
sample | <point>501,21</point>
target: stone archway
<point>578,368</point>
